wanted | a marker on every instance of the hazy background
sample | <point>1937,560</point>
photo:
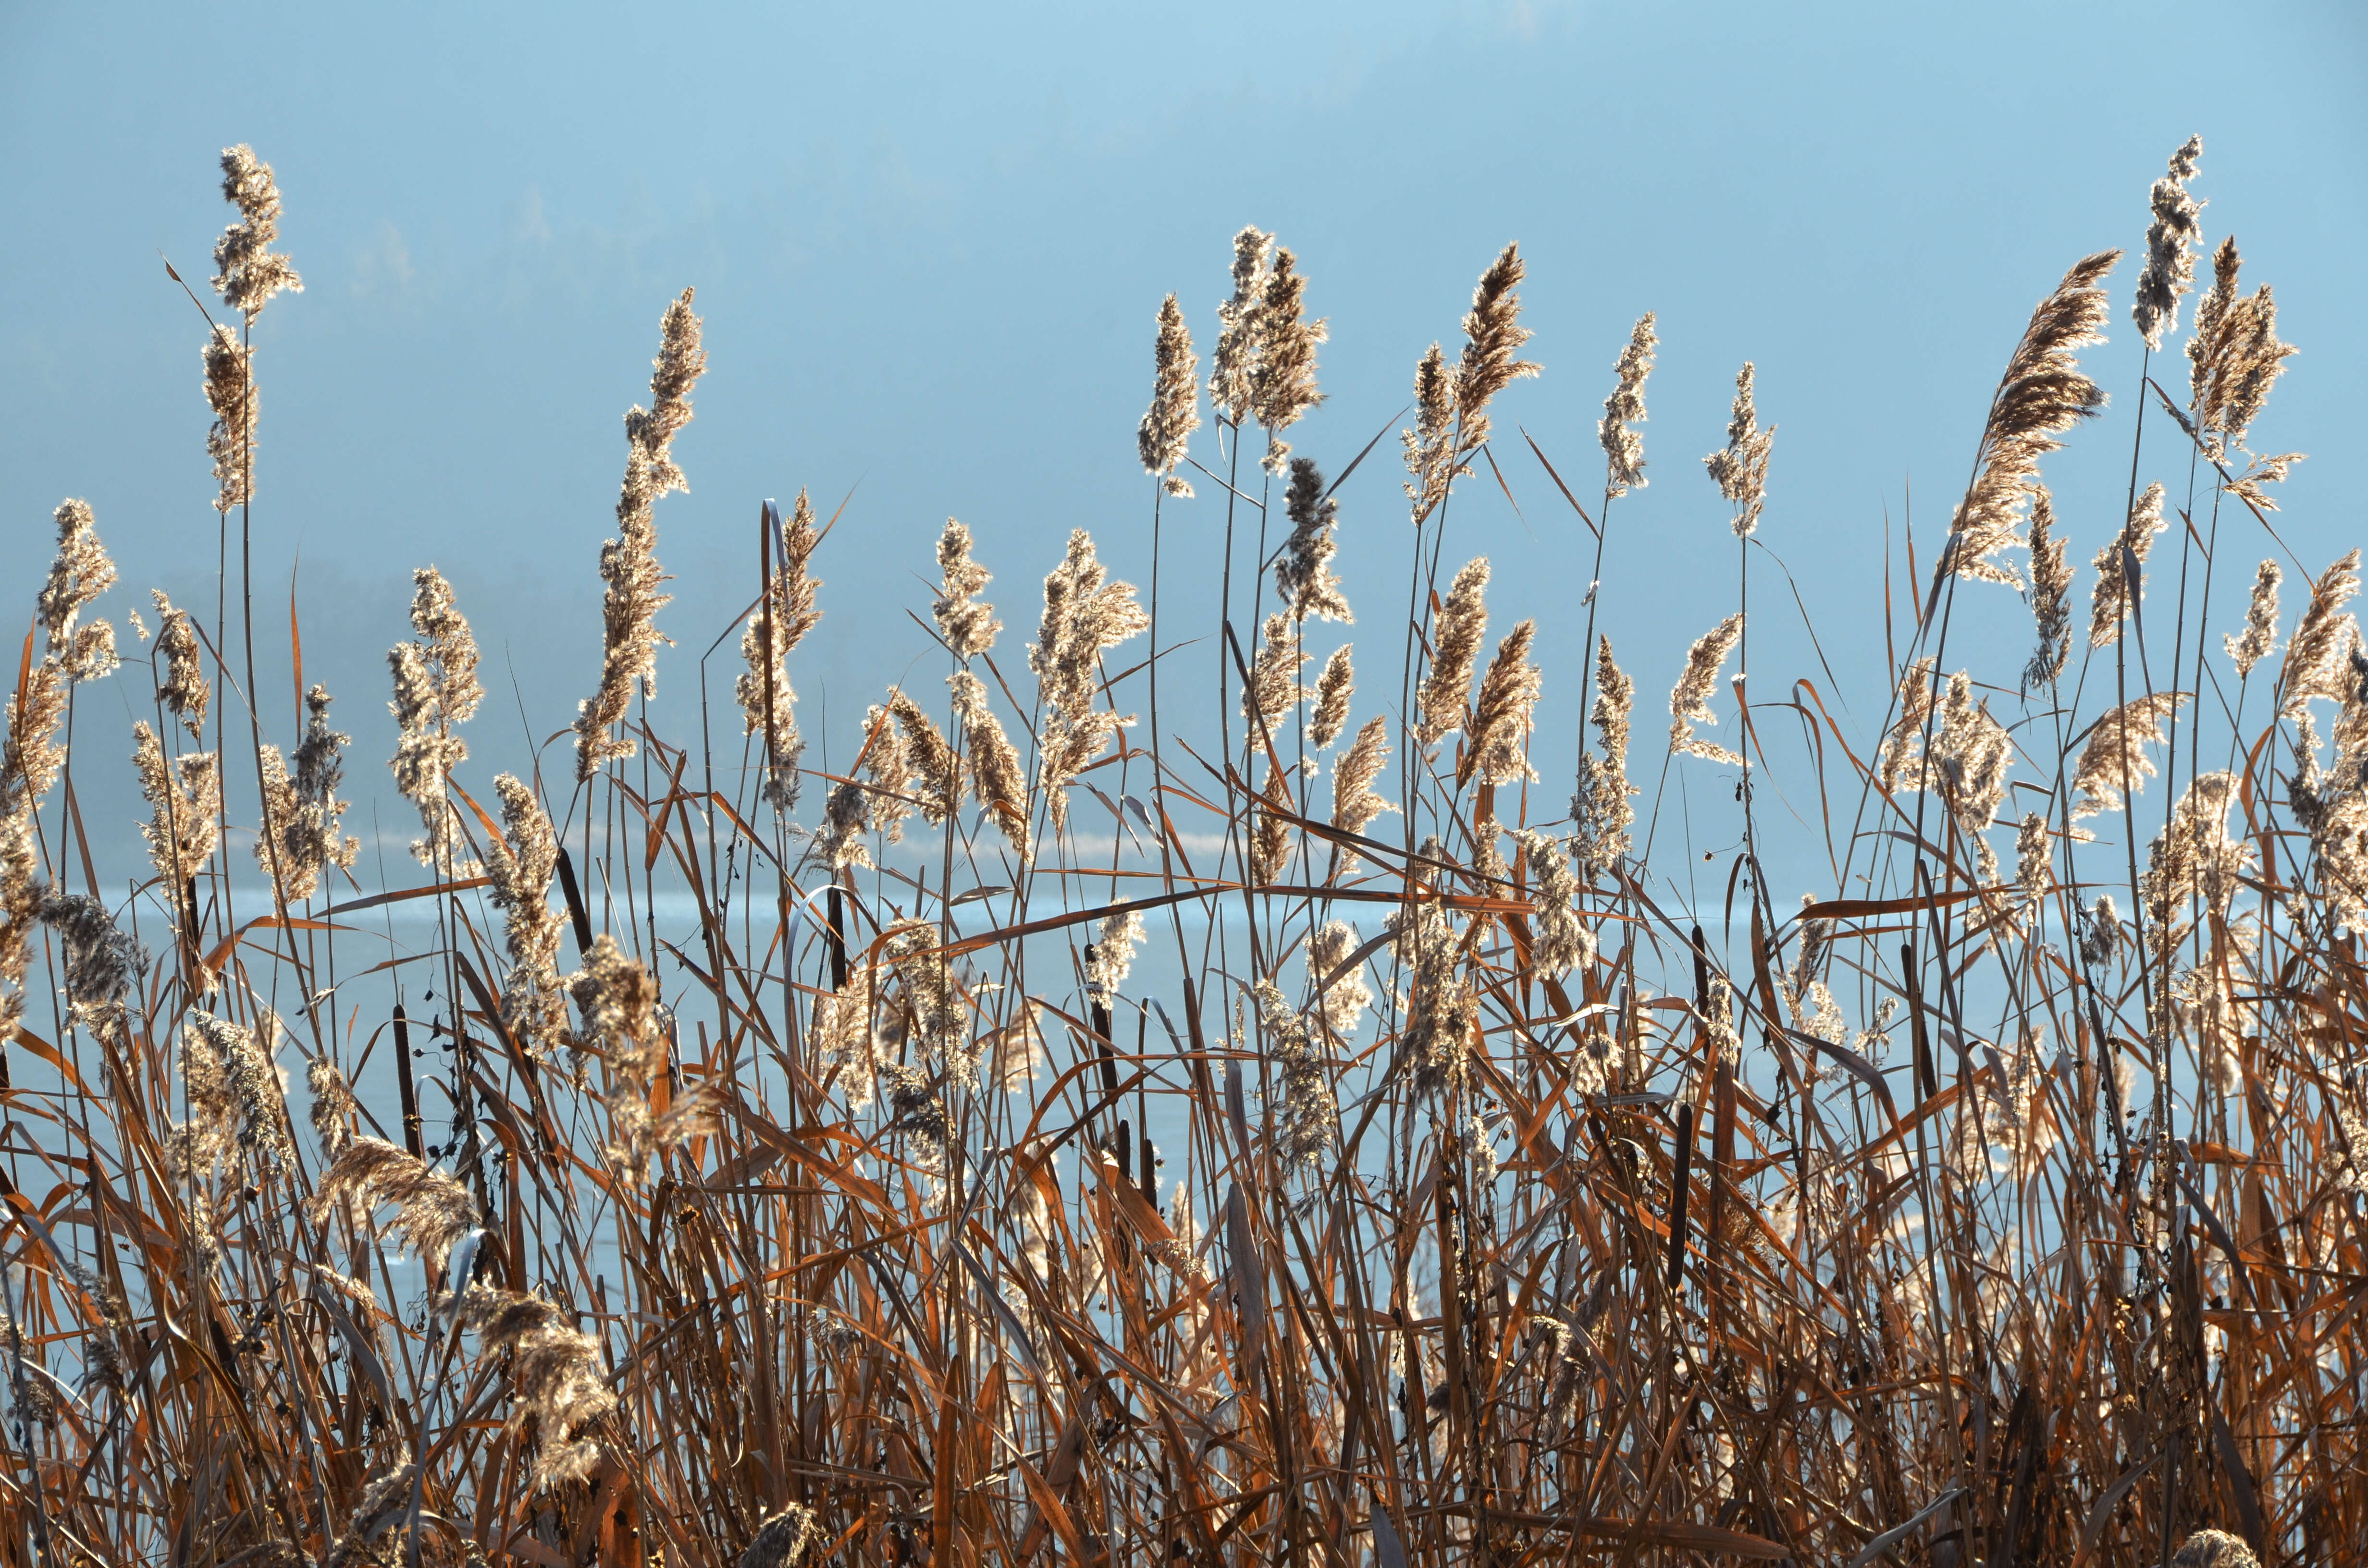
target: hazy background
<point>929,243</point>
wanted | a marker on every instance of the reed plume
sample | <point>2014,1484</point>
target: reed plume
<point>2034,858</point>
<point>1283,377</point>
<point>520,864</point>
<point>1740,468</point>
<point>2116,595</point>
<point>557,1387</point>
<point>2116,750</point>
<point>1303,574</point>
<point>1456,634</point>
<point>79,574</point>
<point>2259,638</point>
<point>1241,328</point>
<point>1344,1000</point>
<point>2042,394</point>
<point>301,836</point>
<point>2051,586</point>
<point>2170,238</point>
<point>185,797</point>
<point>1307,1118</point>
<point>2317,656</point>
<point>436,689</point>
<point>618,999</point>
<point>184,691</point>
<point>1493,338</point>
<point>1333,689</point>
<point>767,700</point>
<point>1430,456</point>
<point>250,271</point>
<point>1085,615</point>
<point>932,767</point>
<point>229,394</point>
<point>1600,812</point>
<point>1273,690</point>
<point>1559,942</point>
<point>629,563</point>
<point>1623,448</point>
<point>2235,355</point>
<point>1689,698</point>
<point>995,774</point>
<point>30,758</point>
<point>1271,836</point>
<point>1174,413</point>
<point>1501,716</point>
<point>1354,804</point>
<point>968,625</point>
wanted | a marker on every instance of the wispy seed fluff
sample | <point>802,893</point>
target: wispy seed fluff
<point>1333,689</point>
<point>2317,658</point>
<point>968,625</point>
<point>1282,380</point>
<point>1689,698</point>
<point>1624,449</point>
<point>1493,336</point>
<point>1174,413</point>
<point>1558,942</point>
<point>2116,750</point>
<point>185,801</point>
<point>1455,646</point>
<point>2259,638</point>
<point>79,573</point>
<point>184,691</point>
<point>618,997</point>
<point>1430,445</point>
<point>1501,715</point>
<point>1303,573</point>
<point>1240,327</point>
<point>436,689</point>
<point>555,1379</point>
<point>2170,238</point>
<point>1271,837</point>
<point>1740,468</point>
<point>1273,690</point>
<point>1306,1115</point>
<point>1354,804</point>
<point>2111,600</point>
<point>1085,615</point>
<point>933,770</point>
<point>250,271</point>
<point>629,564</point>
<point>1110,956</point>
<point>1599,812</point>
<point>768,702</point>
<point>521,865</point>
<point>230,393</point>
<point>2043,393</point>
<point>1343,1003</point>
<point>2051,587</point>
<point>995,774</point>
<point>303,814</point>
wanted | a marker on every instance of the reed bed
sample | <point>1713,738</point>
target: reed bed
<point>1079,1132</point>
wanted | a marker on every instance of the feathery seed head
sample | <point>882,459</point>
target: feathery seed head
<point>1430,445</point>
<point>1501,715</point>
<point>1274,690</point>
<point>186,801</point>
<point>2259,638</point>
<point>79,574</point>
<point>1599,812</point>
<point>2116,751</point>
<point>1333,688</point>
<point>1354,804</point>
<point>1741,467</point>
<point>1456,634</point>
<point>184,691</point>
<point>230,393</point>
<point>1493,336</point>
<point>1306,1116</point>
<point>2170,260</point>
<point>1623,448</point>
<point>1174,414</point>
<point>968,627</point>
<point>251,272</point>
<point>1558,941</point>
<point>1241,327</point>
<point>436,689</point>
<point>1302,575</point>
<point>997,777</point>
<point>2111,601</point>
<point>1343,1003</point>
<point>2051,583</point>
<point>1689,698</point>
<point>1282,379</point>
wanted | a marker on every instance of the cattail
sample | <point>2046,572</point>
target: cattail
<point>1558,942</point>
<point>969,627</point>
<point>2034,858</point>
<point>1084,616</point>
<point>520,864</point>
<point>1333,688</point>
<point>783,1540</point>
<point>1271,837</point>
<point>2111,601</point>
<point>1273,689</point>
<point>1493,336</point>
<point>629,563</point>
<point>776,626</point>
<point>930,759</point>
<point>556,1384</point>
<point>2171,262</point>
<point>1741,468</point>
<point>1306,1115</point>
<point>230,393</point>
<point>332,1107</point>
<point>1354,804</point>
<point>2259,638</point>
<point>1501,715</point>
<point>302,816</point>
<point>1462,622</point>
<point>79,574</point>
<point>1430,445</point>
<point>2116,750</point>
<point>251,272</point>
<point>2051,586</point>
<point>1173,415</point>
<point>1689,698</point>
<point>2314,663</point>
<point>2043,393</point>
<point>1302,575</point>
<point>186,801</point>
<point>995,774</point>
<point>1241,328</point>
<point>436,689</point>
<point>1600,812</point>
<point>1282,380</point>
<point>183,693</point>
<point>1343,1003</point>
<point>1624,449</point>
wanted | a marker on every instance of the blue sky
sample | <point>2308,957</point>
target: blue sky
<point>929,243</point>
